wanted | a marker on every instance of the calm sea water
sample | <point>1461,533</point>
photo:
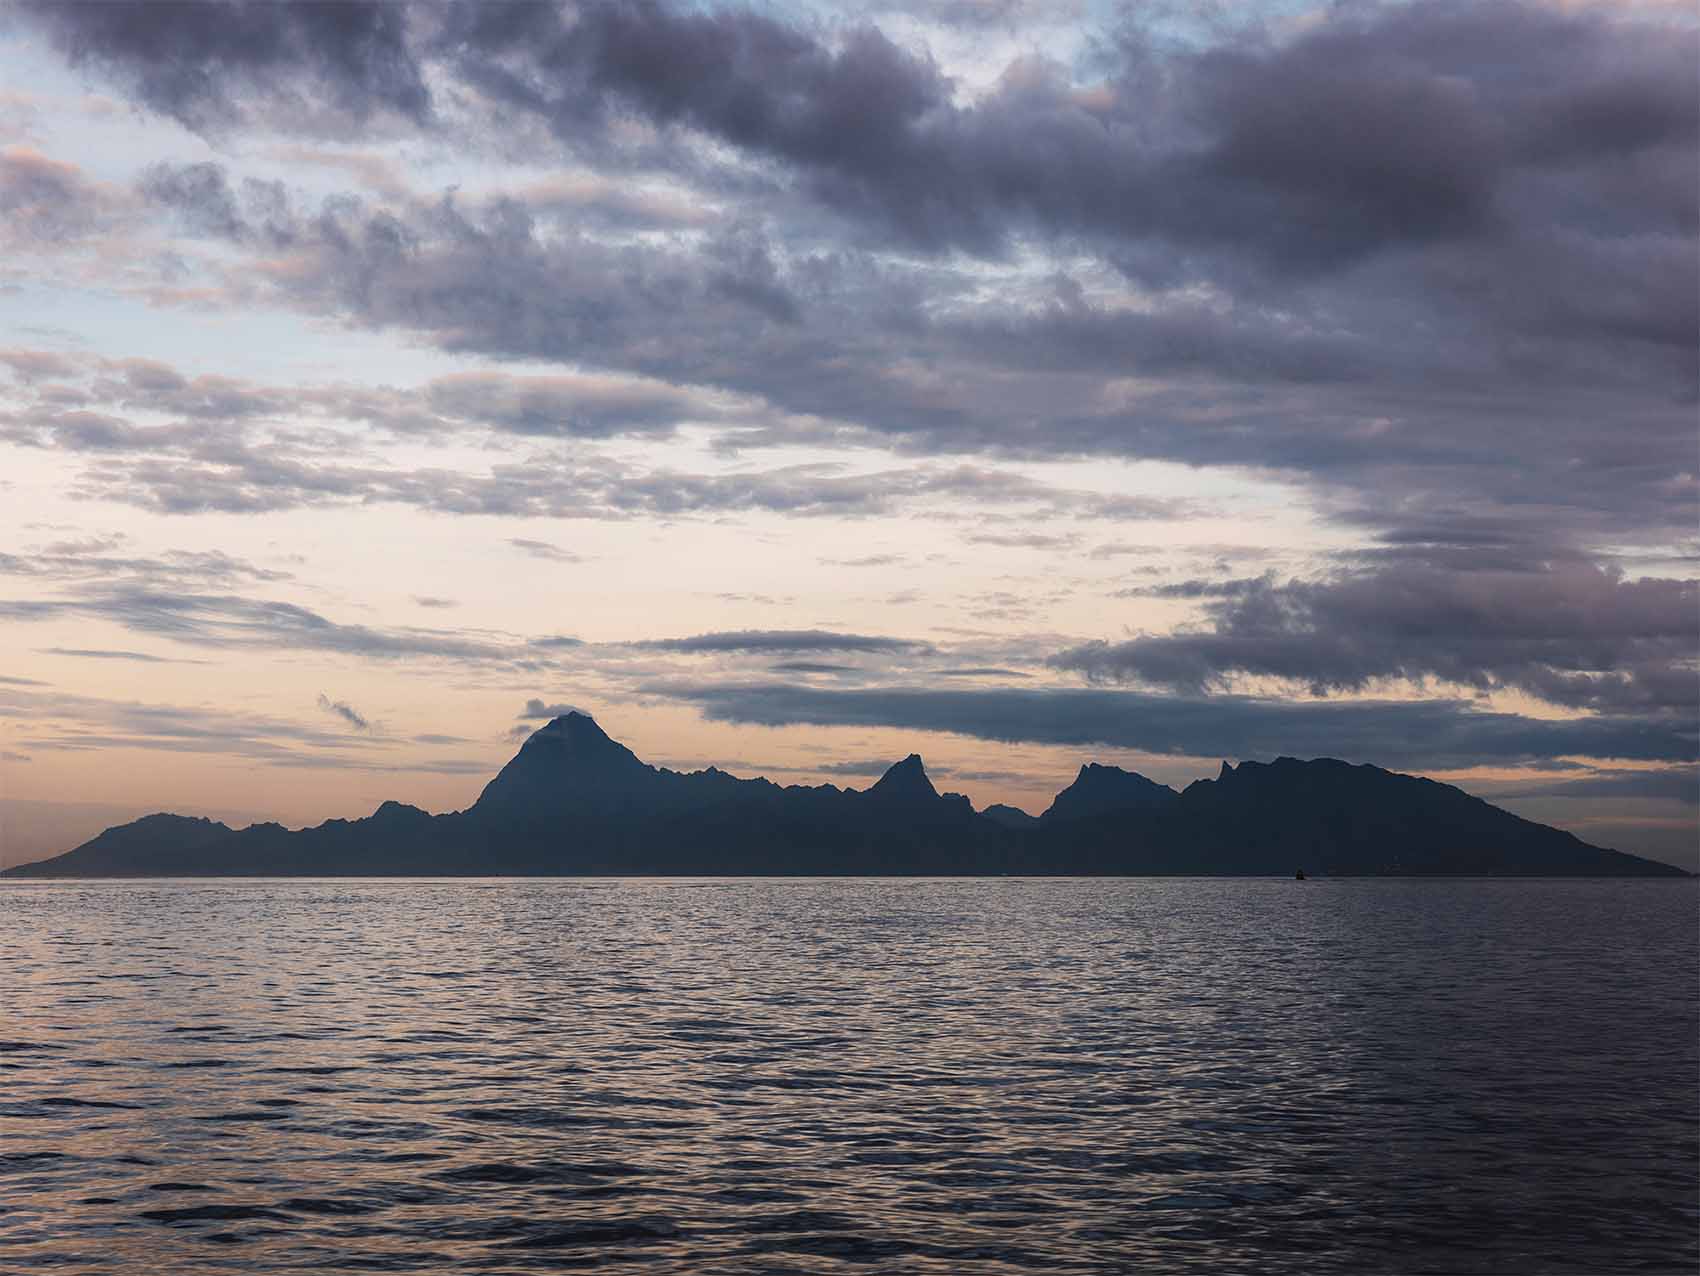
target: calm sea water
<point>989,1076</point>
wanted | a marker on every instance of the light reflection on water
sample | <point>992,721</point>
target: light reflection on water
<point>874,1076</point>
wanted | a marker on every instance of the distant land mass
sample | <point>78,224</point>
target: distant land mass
<point>575,802</point>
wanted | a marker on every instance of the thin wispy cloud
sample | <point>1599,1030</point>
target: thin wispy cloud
<point>347,712</point>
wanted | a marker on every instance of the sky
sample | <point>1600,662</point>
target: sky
<point>795,387</point>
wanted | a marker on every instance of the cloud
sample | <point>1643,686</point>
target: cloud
<point>88,653</point>
<point>543,549</point>
<point>1428,734</point>
<point>1367,132</point>
<point>1235,362</point>
<point>535,708</point>
<point>1338,395</point>
<point>868,560</point>
<point>99,559</point>
<point>871,766</point>
<point>191,597</point>
<point>1023,540</point>
<point>37,365</point>
<point>1571,632</point>
<point>582,406</point>
<point>1677,785</point>
<point>433,603</point>
<point>53,721</point>
<point>215,64</point>
<point>232,622</point>
<point>757,640</point>
<point>46,202</point>
<point>347,712</point>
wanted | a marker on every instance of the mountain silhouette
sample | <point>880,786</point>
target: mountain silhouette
<point>905,782</point>
<point>1010,816</point>
<point>1101,790</point>
<point>574,801</point>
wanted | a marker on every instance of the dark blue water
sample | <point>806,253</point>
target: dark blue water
<point>989,1076</point>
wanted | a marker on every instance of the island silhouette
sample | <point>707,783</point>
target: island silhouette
<point>573,802</point>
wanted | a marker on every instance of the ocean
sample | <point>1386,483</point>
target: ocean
<point>853,1075</point>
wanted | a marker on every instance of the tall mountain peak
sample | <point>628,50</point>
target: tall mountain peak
<point>906,780</point>
<point>570,754</point>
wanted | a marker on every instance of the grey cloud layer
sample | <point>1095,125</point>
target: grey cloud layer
<point>1443,250</point>
<point>60,721</point>
<point>1574,633</point>
<point>327,66</point>
<point>1677,784</point>
<point>194,600</point>
<point>1432,733</point>
<point>1379,127</point>
<point>222,444</point>
<point>785,640</point>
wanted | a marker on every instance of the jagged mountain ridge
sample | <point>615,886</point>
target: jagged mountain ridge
<point>574,801</point>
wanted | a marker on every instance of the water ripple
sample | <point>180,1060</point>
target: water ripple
<point>849,1076</point>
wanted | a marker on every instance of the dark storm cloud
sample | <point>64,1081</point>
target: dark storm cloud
<point>1570,632</point>
<point>347,712</point>
<point>1430,734</point>
<point>1374,129</point>
<point>759,640</point>
<point>322,66</point>
<point>1456,153</point>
